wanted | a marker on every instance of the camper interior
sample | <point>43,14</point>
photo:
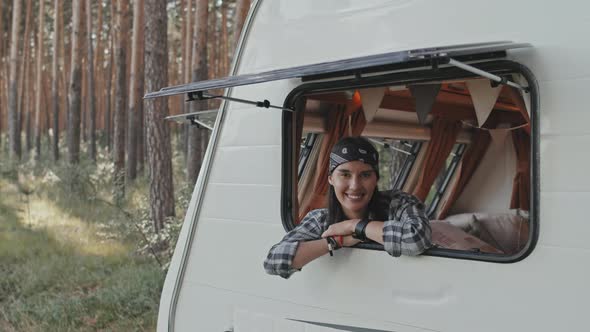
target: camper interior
<point>461,145</point>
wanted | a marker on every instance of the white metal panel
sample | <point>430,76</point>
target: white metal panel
<point>395,289</point>
<point>289,33</point>
<point>563,217</point>
<point>243,202</point>
<point>564,163</point>
<point>247,165</point>
<point>564,107</point>
<point>214,300</point>
<point>252,126</point>
<point>368,288</point>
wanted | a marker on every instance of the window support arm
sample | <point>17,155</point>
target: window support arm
<point>495,78</point>
<point>200,95</point>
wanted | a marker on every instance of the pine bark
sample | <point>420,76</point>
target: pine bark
<point>199,72</point>
<point>140,106</point>
<point>39,80</point>
<point>13,132</point>
<point>186,70</point>
<point>122,29</point>
<point>158,133</point>
<point>57,9</point>
<point>224,56</point>
<point>107,104</point>
<point>242,8</point>
<point>134,92</point>
<point>109,74</point>
<point>75,88</point>
<point>2,78</point>
<point>23,104</point>
<point>91,96</point>
<point>98,70</point>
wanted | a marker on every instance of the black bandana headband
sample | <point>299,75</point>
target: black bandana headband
<point>352,149</point>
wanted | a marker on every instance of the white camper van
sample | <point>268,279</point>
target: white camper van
<point>478,108</point>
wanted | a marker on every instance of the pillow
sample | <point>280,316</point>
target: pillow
<point>448,236</point>
<point>463,220</point>
<point>507,232</point>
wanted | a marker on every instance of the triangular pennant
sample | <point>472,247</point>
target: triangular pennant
<point>498,135</point>
<point>525,96</point>
<point>484,98</point>
<point>424,96</point>
<point>371,100</point>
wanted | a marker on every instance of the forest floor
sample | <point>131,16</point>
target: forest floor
<point>68,263</point>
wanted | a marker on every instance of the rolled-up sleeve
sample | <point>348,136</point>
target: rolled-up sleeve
<point>280,256</point>
<point>408,230</point>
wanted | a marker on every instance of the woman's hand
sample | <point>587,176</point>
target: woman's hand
<point>345,229</point>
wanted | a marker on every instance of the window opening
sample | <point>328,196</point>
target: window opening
<point>307,143</point>
<point>396,158</point>
<point>443,179</point>
<point>505,114</point>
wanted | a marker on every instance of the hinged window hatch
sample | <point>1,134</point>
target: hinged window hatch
<point>433,56</point>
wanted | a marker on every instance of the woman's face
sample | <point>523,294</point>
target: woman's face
<point>354,183</point>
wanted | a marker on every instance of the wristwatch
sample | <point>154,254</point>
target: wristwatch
<point>359,229</point>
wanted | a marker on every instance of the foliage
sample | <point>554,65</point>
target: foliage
<point>71,260</point>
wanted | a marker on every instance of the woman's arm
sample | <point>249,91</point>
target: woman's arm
<point>408,231</point>
<point>308,251</point>
<point>298,247</point>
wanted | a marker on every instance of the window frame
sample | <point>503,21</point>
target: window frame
<point>498,67</point>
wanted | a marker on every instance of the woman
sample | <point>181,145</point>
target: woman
<point>356,212</point>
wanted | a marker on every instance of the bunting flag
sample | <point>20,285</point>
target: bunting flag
<point>499,135</point>
<point>371,99</point>
<point>484,98</point>
<point>520,80</point>
<point>424,97</point>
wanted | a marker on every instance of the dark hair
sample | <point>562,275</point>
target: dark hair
<point>374,210</point>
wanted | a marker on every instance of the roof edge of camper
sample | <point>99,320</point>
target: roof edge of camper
<point>432,56</point>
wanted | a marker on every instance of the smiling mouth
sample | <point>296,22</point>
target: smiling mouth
<point>354,197</point>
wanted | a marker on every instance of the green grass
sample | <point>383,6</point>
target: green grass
<point>69,264</point>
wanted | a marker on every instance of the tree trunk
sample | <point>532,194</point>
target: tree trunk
<point>65,73</point>
<point>90,84</point>
<point>26,108</point>
<point>134,92</point>
<point>122,28</point>
<point>242,8</point>
<point>199,72</point>
<point>23,105</point>
<point>158,133</point>
<point>109,80</point>
<point>2,78</point>
<point>39,80</point>
<point>107,104</point>
<point>98,71</point>
<point>54,74</point>
<point>13,133</point>
<point>141,88</point>
<point>186,70</point>
<point>75,90</point>
<point>224,56</point>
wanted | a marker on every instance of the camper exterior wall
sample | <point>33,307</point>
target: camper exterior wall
<point>216,280</point>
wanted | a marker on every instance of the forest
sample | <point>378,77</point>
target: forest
<point>94,182</point>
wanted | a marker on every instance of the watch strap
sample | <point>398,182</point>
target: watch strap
<point>359,229</point>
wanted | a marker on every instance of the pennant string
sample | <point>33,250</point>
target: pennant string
<point>507,129</point>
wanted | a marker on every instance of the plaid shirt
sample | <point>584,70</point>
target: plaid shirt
<point>407,231</point>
